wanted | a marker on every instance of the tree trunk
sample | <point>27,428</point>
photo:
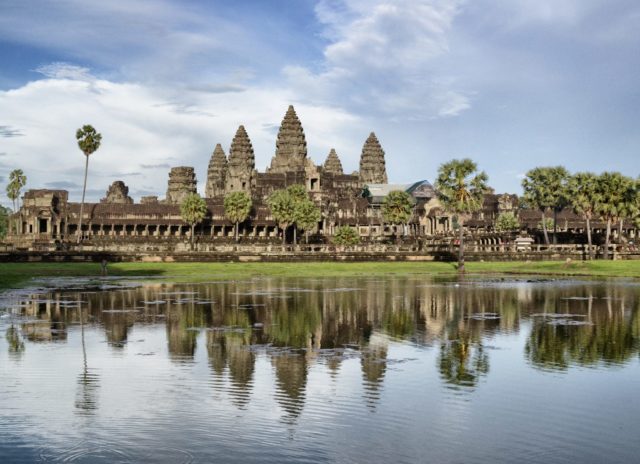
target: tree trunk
<point>236,231</point>
<point>544,229</point>
<point>589,237</point>
<point>620,226</point>
<point>193,228</point>
<point>295,234</point>
<point>306,237</point>
<point>461,249</point>
<point>555,226</point>
<point>284,235</point>
<point>84,189</point>
<point>606,240</point>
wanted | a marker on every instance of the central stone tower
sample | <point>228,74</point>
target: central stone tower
<point>242,163</point>
<point>291,146</point>
<point>372,164</point>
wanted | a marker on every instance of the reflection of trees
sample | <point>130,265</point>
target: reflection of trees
<point>604,335</point>
<point>291,382</point>
<point>16,345</point>
<point>117,327</point>
<point>183,322</point>
<point>462,362</point>
<point>373,360</point>
<point>88,381</point>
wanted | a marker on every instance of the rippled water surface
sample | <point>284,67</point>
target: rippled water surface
<point>376,370</point>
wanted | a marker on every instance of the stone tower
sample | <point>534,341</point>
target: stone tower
<point>118,193</point>
<point>182,182</point>
<point>372,165</point>
<point>333,164</point>
<point>242,163</point>
<point>216,173</point>
<point>291,146</point>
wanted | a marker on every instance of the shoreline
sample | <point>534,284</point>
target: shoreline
<point>15,275</point>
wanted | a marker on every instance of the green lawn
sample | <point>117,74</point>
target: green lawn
<point>17,274</point>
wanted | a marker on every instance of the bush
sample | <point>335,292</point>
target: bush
<point>346,235</point>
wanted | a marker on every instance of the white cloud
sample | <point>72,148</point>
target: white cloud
<point>381,56</point>
<point>143,135</point>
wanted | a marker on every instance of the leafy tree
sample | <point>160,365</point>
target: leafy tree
<point>461,191</point>
<point>4,221</point>
<point>299,196</point>
<point>237,206</point>
<point>397,208</point>
<point>88,141</point>
<point>546,188</point>
<point>307,216</point>
<point>346,236</point>
<point>507,222</point>
<point>193,210</point>
<point>583,196</point>
<point>614,191</point>
<point>17,180</point>
<point>282,206</point>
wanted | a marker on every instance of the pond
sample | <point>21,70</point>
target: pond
<point>350,370</point>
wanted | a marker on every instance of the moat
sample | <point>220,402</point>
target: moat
<point>378,369</point>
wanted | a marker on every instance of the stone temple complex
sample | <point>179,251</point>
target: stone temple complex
<point>48,217</point>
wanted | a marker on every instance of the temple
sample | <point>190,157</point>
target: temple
<point>47,218</point>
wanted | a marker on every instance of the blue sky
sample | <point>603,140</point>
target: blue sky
<point>512,84</point>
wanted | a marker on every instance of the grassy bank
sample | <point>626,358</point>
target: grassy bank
<point>16,274</point>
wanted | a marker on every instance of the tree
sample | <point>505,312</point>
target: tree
<point>4,221</point>
<point>307,216</point>
<point>17,180</point>
<point>397,208</point>
<point>299,196</point>
<point>461,191</point>
<point>614,191</point>
<point>193,210</point>
<point>346,236</point>
<point>583,196</point>
<point>88,141</point>
<point>546,188</point>
<point>282,208</point>
<point>237,206</point>
<point>507,222</point>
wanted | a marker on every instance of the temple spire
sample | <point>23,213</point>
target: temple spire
<point>216,173</point>
<point>291,145</point>
<point>333,164</point>
<point>372,164</point>
<point>241,164</point>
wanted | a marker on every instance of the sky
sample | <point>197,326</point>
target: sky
<point>511,84</point>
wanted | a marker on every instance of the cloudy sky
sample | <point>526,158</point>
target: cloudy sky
<point>512,84</point>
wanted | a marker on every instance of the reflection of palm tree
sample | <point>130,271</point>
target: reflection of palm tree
<point>86,401</point>
<point>462,362</point>
<point>291,381</point>
<point>373,361</point>
<point>16,345</point>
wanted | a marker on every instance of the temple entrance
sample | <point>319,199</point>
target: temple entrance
<point>42,226</point>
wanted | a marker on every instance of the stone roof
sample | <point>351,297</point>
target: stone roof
<point>333,164</point>
<point>372,163</point>
<point>291,145</point>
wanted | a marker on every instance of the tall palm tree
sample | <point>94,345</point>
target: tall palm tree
<point>88,141</point>
<point>397,208</point>
<point>17,180</point>
<point>237,206</point>
<point>193,210</point>
<point>614,191</point>
<point>461,191</point>
<point>584,198</point>
<point>544,189</point>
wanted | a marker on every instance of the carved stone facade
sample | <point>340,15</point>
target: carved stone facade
<point>216,174</point>
<point>372,164</point>
<point>118,193</point>
<point>333,164</point>
<point>242,163</point>
<point>291,146</point>
<point>182,182</point>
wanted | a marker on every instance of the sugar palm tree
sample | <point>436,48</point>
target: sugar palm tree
<point>17,180</point>
<point>193,209</point>
<point>307,216</point>
<point>544,189</point>
<point>88,141</point>
<point>299,196</point>
<point>397,208</point>
<point>237,206</point>
<point>282,207</point>
<point>614,191</point>
<point>461,191</point>
<point>584,197</point>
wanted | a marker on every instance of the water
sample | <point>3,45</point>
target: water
<point>378,370</point>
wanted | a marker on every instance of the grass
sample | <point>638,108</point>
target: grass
<point>18,274</point>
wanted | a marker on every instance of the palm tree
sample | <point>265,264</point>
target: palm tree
<point>583,196</point>
<point>461,191</point>
<point>193,209</point>
<point>17,180</point>
<point>307,216</point>
<point>614,190</point>
<point>237,206</point>
<point>88,141</point>
<point>397,208</point>
<point>282,207</point>
<point>545,188</point>
<point>299,196</point>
